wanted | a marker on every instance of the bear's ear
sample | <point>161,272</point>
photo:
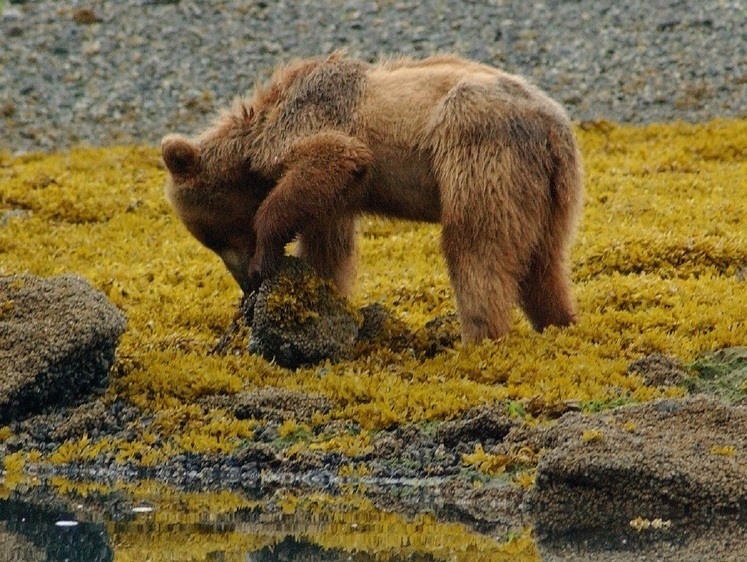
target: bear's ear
<point>180,155</point>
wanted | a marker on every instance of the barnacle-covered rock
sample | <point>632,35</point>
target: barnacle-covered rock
<point>484,425</point>
<point>57,342</point>
<point>657,369</point>
<point>670,460</point>
<point>379,327</point>
<point>299,319</point>
<point>271,404</point>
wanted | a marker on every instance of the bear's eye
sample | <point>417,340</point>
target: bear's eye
<point>208,237</point>
<point>213,242</point>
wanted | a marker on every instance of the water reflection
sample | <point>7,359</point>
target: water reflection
<point>31,532</point>
<point>75,522</point>
<point>158,524</point>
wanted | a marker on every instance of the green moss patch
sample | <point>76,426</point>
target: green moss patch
<point>722,373</point>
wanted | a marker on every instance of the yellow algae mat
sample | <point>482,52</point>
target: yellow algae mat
<point>659,265</point>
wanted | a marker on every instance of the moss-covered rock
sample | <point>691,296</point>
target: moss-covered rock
<point>300,319</point>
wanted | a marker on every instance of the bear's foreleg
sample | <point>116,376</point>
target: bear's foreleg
<point>330,247</point>
<point>323,176</point>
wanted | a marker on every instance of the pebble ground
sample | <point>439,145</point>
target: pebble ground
<point>102,73</point>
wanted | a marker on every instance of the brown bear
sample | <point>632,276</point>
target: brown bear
<point>483,152</point>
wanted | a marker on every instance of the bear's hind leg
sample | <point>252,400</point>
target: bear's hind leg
<point>485,290</point>
<point>545,292</point>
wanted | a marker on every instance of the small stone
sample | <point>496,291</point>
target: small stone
<point>12,15</point>
<point>85,16</point>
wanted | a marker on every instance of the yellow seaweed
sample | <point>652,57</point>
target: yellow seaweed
<point>659,266</point>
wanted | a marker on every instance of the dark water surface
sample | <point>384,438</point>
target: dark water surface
<point>78,523</point>
<point>66,521</point>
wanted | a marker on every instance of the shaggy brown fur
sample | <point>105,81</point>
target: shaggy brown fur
<point>441,140</point>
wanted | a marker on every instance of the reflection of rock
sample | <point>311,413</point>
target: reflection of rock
<point>291,548</point>
<point>714,540</point>
<point>299,319</point>
<point>29,523</point>
<point>21,548</point>
<point>57,342</point>
<point>717,540</point>
<point>668,460</point>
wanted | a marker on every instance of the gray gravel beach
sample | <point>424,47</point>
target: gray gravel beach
<point>129,71</point>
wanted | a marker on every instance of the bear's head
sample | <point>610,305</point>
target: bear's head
<point>215,192</point>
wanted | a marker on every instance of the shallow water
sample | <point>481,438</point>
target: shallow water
<point>75,523</point>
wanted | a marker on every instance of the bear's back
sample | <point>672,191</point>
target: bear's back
<point>308,98</point>
<point>412,91</point>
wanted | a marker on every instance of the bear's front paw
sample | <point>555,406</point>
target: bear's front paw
<point>262,267</point>
<point>255,280</point>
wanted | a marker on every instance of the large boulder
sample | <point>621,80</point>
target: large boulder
<point>666,461</point>
<point>57,342</point>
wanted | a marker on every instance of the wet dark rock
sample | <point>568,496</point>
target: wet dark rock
<point>671,460</point>
<point>57,343</point>
<point>484,425</point>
